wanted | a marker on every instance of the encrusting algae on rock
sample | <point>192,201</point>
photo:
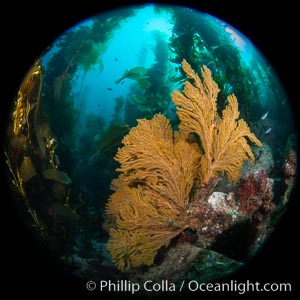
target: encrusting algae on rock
<point>159,168</point>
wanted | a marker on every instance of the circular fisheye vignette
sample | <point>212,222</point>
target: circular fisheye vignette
<point>148,139</point>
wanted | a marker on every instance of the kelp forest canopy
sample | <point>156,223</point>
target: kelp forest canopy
<point>78,50</point>
<point>145,88</point>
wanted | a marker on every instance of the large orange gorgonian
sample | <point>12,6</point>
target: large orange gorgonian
<point>159,167</point>
<point>153,190</point>
<point>224,146</point>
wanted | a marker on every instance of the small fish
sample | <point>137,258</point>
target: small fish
<point>116,59</point>
<point>109,89</point>
<point>215,47</point>
<point>98,105</point>
<point>268,131</point>
<point>264,115</point>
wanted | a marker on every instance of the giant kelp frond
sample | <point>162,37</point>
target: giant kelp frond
<point>28,98</point>
<point>223,139</point>
<point>136,73</point>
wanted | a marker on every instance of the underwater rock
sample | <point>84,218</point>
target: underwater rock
<point>56,175</point>
<point>210,265</point>
<point>254,192</point>
<point>220,203</point>
<point>234,241</point>
<point>290,164</point>
<point>263,161</point>
<point>174,266</point>
<point>241,215</point>
<point>255,197</point>
<point>289,168</point>
<point>214,216</point>
<point>189,262</point>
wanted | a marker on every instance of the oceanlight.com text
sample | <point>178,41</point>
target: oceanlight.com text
<point>239,287</point>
